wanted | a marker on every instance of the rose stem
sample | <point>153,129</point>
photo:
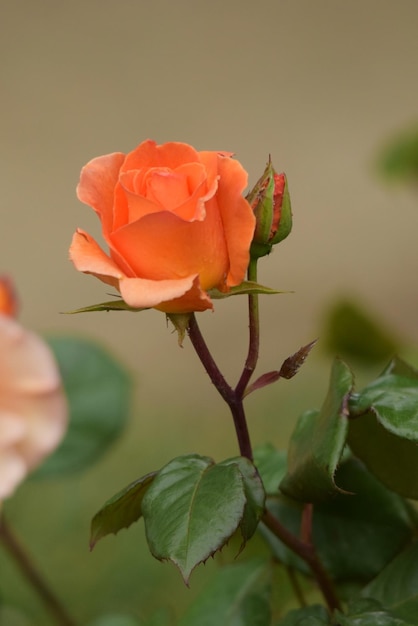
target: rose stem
<point>230,396</point>
<point>234,399</point>
<point>308,553</point>
<point>31,573</point>
<point>254,333</point>
<point>296,586</point>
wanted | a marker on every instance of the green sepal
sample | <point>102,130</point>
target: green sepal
<point>245,288</point>
<point>258,250</point>
<point>112,305</point>
<point>181,323</point>
<point>261,198</point>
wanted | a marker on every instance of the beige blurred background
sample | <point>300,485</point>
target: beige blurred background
<point>321,85</point>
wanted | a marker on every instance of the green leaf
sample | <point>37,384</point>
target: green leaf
<point>246,287</point>
<point>13,616</point>
<point>315,615</point>
<point>383,431</point>
<point>400,368</point>
<point>115,620</point>
<point>355,535</point>
<point>112,305</point>
<point>318,441</point>
<point>394,401</point>
<point>99,393</point>
<point>396,587</point>
<point>271,464</point>
<point>393,460</point>
<point>191,510</point>
<point>161,617</point>
<point>238,595</point>
<point>254,494</point>
<point>120,511</point>
<point>368,612</point>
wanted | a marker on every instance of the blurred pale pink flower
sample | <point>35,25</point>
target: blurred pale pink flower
<point>33,408</point>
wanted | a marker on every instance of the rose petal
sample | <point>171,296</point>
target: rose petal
<point>97,186</point>
<point>161,246</point>
<point>149,154</point>
<point>33,407</point>
<point>88,257</point>
<point>194,300</point>
<point>236,213</point>
<point>182,191</point>
<point>45,428</point>
<point>166,221</point>
<point>12,428</point>
<point>13,470</point>
<point>141,293</point>
<point>26,364</point>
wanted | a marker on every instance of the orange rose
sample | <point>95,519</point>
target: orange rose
<point>33,408</point>
<point>175,221</point>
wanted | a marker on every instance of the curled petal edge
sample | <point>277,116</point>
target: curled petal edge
<point>170,296</point>
<point>88,257</point>
<point>181,295</point>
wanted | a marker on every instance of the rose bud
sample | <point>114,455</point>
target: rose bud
<point>8,298</point>
<point>270,202</point>
<point>175,223</point>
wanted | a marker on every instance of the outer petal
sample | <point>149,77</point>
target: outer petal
<point>97,186</point>
<point>236,214</point>
<point>88,257</point>
<point>13,471</point>
<point>170,296</point>
<point>162,246</point>
<point>32,396</point>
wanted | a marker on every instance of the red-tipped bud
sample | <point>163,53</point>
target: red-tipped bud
<point>8,297</point>
<point>270,202</point>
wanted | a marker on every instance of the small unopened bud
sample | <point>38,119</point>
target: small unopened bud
<point>8,297</point>
<point>270,202</point>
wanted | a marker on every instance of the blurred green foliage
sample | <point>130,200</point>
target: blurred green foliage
<point>398,161</point>
<point>355,335</point>
<point>99,395</point>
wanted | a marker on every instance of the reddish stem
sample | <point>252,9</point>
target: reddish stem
<point>234,398</point>
<point>34,577</point>
<point>308,553</point>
